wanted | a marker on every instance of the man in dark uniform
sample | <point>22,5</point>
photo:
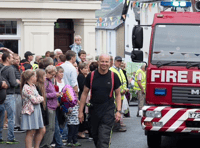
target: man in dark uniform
<point>102,116</point>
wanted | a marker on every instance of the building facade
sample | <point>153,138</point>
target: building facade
<point>43,25</point>
<point>110,33</point>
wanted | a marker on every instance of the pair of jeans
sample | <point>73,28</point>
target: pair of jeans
<point>57,135</point>
<point>72,134</point>
<point>65,132</point>
<point>18,109</point>
<point>2,115</point>
<point>9,105</point>
<point>50,129</point>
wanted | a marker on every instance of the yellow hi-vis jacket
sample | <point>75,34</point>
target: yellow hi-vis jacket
<point>143,81</point>
<point>35,66</point>
<point>122,79</point>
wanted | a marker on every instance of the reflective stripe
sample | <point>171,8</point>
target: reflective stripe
<point>35,66</point>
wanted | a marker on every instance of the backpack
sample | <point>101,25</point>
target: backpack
<point>2,90</point>
<point>21,67</point>
<point>113,82</point>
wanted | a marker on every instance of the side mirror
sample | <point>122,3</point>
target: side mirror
<point>137,37</point>
<point>137,56</point>
<point>197,6</point>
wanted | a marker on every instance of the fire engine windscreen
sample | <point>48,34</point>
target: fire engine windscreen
<point>176,43</point>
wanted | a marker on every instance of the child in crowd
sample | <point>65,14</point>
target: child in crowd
<point>82,56</point>
<point>76,47</point>
<point>32,120</point>
<point>73,124</point>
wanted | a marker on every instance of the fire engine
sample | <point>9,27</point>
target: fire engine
<point>173,73</point>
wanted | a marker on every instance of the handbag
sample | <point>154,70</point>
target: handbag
<point>125,106</point>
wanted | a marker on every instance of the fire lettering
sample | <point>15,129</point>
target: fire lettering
<point>195,77</point>
<point>168,75</point>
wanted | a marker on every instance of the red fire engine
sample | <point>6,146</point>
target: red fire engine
<point>173,74</point>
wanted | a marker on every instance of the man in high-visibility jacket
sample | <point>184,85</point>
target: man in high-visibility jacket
<point>37,60</point>
<point>140,86</point>
<point>116,69</point>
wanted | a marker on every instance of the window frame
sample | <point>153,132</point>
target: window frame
<point>13,36</point>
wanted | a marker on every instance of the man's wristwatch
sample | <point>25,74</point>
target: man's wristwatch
<point>119,111</point>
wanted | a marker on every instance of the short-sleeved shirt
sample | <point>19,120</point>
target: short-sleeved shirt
<point>101,88</point>
<point>70,74</point>
<point>72,118</point>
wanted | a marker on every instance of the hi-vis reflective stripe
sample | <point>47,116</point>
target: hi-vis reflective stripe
<point>173,119</point>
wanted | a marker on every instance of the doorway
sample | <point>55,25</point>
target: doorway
<point>63,34</point>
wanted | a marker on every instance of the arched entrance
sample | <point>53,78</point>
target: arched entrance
<point>63,34</point>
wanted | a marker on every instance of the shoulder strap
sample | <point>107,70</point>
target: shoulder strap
<point>113,83</point>
<point>91,80</point>
<point>112,79</point>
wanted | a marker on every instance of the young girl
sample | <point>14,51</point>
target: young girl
<point>73,123</point>
<point>32,120</point>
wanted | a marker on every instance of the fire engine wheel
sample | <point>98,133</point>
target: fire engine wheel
<point>153,139</point>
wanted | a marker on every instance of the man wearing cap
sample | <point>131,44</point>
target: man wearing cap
<point>116,69</point>
<point>27,61</point>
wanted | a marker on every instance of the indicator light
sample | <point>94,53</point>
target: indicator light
<point>182,4</point>
<point>160,92</point>
<point>175,4</point>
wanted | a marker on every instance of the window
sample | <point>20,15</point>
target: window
<point>10,35</point>
<point>8,27</point>
<point>171,43</point>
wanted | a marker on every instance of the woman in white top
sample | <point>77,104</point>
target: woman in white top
<point>59,78</point>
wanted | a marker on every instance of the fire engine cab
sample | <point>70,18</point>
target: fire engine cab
<point>173,73</point>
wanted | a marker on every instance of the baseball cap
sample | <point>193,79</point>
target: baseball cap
<point>118,58</point>
<point>28,53</point>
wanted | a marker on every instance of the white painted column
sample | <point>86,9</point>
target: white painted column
<point>86,29</point>
<point>38,35</point>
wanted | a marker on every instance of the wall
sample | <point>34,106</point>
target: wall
<point>111,42</point>
<point>129,24</point>
<point>101,41</point>
<point>37,22</point>
<point>120,41</point>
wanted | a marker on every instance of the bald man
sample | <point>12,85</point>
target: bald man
<point>102,105</point>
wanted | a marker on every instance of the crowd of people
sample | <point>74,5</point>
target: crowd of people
<point>30,97</point>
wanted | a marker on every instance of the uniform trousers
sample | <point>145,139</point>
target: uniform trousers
<point>101,128</point>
